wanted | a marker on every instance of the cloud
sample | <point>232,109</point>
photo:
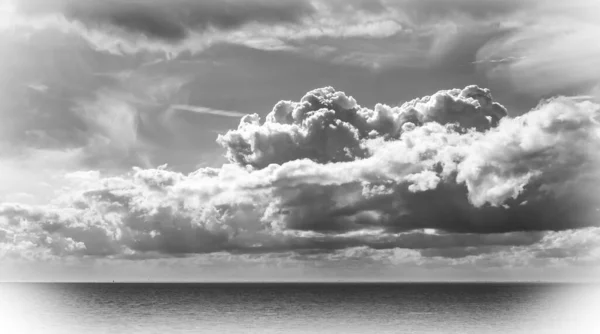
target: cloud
<point>329,126</point>
<point>449,178</point>
<point>38,87</point>
<point>203,110</point>
<point>543,51</point>
<point>171,21</point>
<point>172,27</point>
<point>373,34</point>
<point>534,39</point>
<point>112,125</point>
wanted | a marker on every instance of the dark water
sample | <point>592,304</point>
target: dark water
<point>294,308</point>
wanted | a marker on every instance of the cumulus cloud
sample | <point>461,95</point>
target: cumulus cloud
<point>448,176</point>
<point>329,126</point>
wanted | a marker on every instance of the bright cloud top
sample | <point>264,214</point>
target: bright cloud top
<point>447,176</point>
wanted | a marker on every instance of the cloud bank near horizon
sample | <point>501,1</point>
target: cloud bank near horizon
<point>447,178</point>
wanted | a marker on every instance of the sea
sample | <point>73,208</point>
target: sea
<point>477,308</point>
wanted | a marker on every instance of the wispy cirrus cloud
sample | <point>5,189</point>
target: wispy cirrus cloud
<point>39,87</point>
<point>542,52</point>
<point>203,110</point>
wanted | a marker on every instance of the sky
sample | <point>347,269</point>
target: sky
<point>183,140</point>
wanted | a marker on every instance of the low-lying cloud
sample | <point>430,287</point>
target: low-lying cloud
<point>449,175</point>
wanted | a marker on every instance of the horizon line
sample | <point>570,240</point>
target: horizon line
<point>309,282</point>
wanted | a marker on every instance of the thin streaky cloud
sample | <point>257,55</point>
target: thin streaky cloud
<point>582,97</point>
<point>204,110</point>
<point>38,87</point>
<point>499,60</point>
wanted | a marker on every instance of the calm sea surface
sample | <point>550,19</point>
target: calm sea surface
<point>297,308</point>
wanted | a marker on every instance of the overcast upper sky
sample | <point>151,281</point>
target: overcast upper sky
<point>299,140</point>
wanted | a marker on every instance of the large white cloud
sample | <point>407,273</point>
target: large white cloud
<point>329,126</point>
<point>446,176</point>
